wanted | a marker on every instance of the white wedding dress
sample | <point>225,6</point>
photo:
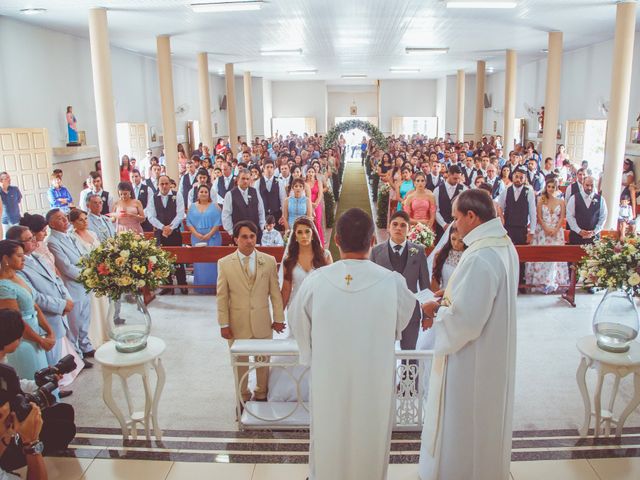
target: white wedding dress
<point>282,387</point>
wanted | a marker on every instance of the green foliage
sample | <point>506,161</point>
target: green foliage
<point>332,135</point>
<point>382,206</point>
<point>329,209</point>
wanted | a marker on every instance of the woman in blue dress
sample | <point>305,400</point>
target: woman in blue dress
<point>404,186</point>
<point>204,221</point>
<point>297,204</point>
<point>17,294</point>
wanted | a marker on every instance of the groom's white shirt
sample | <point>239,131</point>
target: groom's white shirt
<point>357,309</point>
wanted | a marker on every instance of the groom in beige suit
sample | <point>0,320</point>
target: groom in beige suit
<point>247,279</point>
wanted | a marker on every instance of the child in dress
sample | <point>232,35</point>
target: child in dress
<point>271,237</point>
<point>626,222</point>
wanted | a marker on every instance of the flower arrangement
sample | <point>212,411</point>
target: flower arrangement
<point>421,234</point>
<point>613,264</point>
<point>123,264</point>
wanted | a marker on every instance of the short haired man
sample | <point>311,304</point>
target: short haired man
<point>99,224</point>
<point>409,260</point>
<point>272,192</point>
<point>474,331</point>
<point>586,214</point>
<point>165,211</point>
<point>247,281</point>
<point>356,308</point>
<point>243,203</point>
<point>95,188</point>
<point>11,198</point>
<point>187,181</point>
<point>444,194</point>
<point>225,183</point>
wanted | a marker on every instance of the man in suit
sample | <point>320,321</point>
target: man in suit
<point>444,194</point>
<point>243,203</point>
<point>224,183</point>
<point>67,255</point>
<point>141,192</point>
<point>165,211</point>
<point>187,181</point>
<point>99,224</point>
<point>271,190</point>
<point>433,176</point>
<point>409,260</point>
<point>247,280</point>
<point>50,294</point>
<point>153,180</point>
<point>95,188</point>
<point>586,214</point>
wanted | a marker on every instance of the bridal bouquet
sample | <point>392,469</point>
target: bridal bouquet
<point>612,263</point>
<point>420,233</point>
<point>124,264</point>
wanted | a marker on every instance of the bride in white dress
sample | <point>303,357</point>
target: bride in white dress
<point>304,254</point>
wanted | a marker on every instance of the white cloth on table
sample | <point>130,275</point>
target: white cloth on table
<point>346,318</point>
<point>469,413</point>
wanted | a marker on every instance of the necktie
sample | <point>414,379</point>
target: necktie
<point>247,270</point>
<point>396,249</point>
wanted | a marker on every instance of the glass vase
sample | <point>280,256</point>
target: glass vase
<point>129,323</point>
<point>616,321</point>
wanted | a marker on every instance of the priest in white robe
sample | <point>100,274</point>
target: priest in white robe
<point>469,412</point>
<point>346,318</point>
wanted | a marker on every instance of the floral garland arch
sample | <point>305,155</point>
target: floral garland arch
<point>368,127</point>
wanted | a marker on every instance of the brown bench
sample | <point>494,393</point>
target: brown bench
<point>207,255</point>
<point>227,239</point>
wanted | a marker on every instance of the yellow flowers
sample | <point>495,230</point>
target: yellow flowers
<point>634,279</point>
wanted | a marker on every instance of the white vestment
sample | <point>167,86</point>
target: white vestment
<point>469,412</point>
<point>346,318</point>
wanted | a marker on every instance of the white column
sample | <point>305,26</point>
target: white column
<point>231,106</point>
<point>552,96</point>
<point>618,108</point>
<point>248,107</point>
<point>206,133</point>
<point>168,106</point>
<point>479,123</point>
<point>509,101</point>
<point>460,99</point>
<point>103,93</point>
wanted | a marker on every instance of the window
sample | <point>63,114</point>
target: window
<point>297,125</point>
<point>427,126</point>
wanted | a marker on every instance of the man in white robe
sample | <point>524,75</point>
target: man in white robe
<point>346,318</point>
<point>469,412</point>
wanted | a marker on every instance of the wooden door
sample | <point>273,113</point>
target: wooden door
<point>26,156</point>
<point>575,140</point>
<point>133,140</point>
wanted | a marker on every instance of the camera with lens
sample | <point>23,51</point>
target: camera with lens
<point>47,382</point>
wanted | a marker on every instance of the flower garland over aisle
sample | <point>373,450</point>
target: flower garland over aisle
<point>334,133</point>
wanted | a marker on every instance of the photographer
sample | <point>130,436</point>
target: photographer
<point>53,426</point>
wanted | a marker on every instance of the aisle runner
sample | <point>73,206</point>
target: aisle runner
<point>354,194</point>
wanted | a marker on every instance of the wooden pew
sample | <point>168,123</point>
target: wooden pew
<point>206,255</point>
<point>227,239</point>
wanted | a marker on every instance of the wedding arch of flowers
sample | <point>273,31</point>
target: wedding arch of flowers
<point>369,128</point>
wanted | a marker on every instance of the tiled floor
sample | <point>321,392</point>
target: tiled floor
<point>102,469</point>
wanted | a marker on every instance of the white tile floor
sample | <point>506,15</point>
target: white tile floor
<point>103,469</point>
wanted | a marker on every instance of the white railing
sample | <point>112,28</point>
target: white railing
<point>411,384</point>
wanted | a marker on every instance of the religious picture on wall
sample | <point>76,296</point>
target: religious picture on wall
<point>635,135</point>
<point>154,135</point>
<point>353,110</point>
<point>72,127</point>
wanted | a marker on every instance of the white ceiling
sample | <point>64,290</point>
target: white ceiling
<point>337,37</point>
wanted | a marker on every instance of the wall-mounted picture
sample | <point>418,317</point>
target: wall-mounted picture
<point>354,110</point>
<point>635,135</point>
<point>154,135</point>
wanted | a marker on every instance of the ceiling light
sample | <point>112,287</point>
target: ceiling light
<point>426,50</point>
<point>32,11</point>
<point>490,69</point>
<point>481,4</point>
<point>404,70</point>
<point>227,6</point>
<point>302,72</point>
<point>355,75</point>
<point>294,51</point>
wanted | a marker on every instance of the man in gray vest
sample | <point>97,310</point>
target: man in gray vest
<point>243,203</point>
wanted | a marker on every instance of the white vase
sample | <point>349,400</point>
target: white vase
<point>616,321</point>
<point>129,323</point>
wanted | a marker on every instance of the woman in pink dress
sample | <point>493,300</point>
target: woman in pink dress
<point>420,203</point>
<point>317,197</point>
<point>128,211</point>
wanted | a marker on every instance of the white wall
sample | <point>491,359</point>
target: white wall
<point>441,105</point>
<point>586,77</point>
<point>43,71</point>
<point>340,104</point>
<point>406,98</point>
<point>300,99</point>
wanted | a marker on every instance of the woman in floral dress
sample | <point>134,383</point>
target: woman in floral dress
<point>549,231</point>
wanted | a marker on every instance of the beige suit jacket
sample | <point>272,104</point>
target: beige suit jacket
<point>243,307</point>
